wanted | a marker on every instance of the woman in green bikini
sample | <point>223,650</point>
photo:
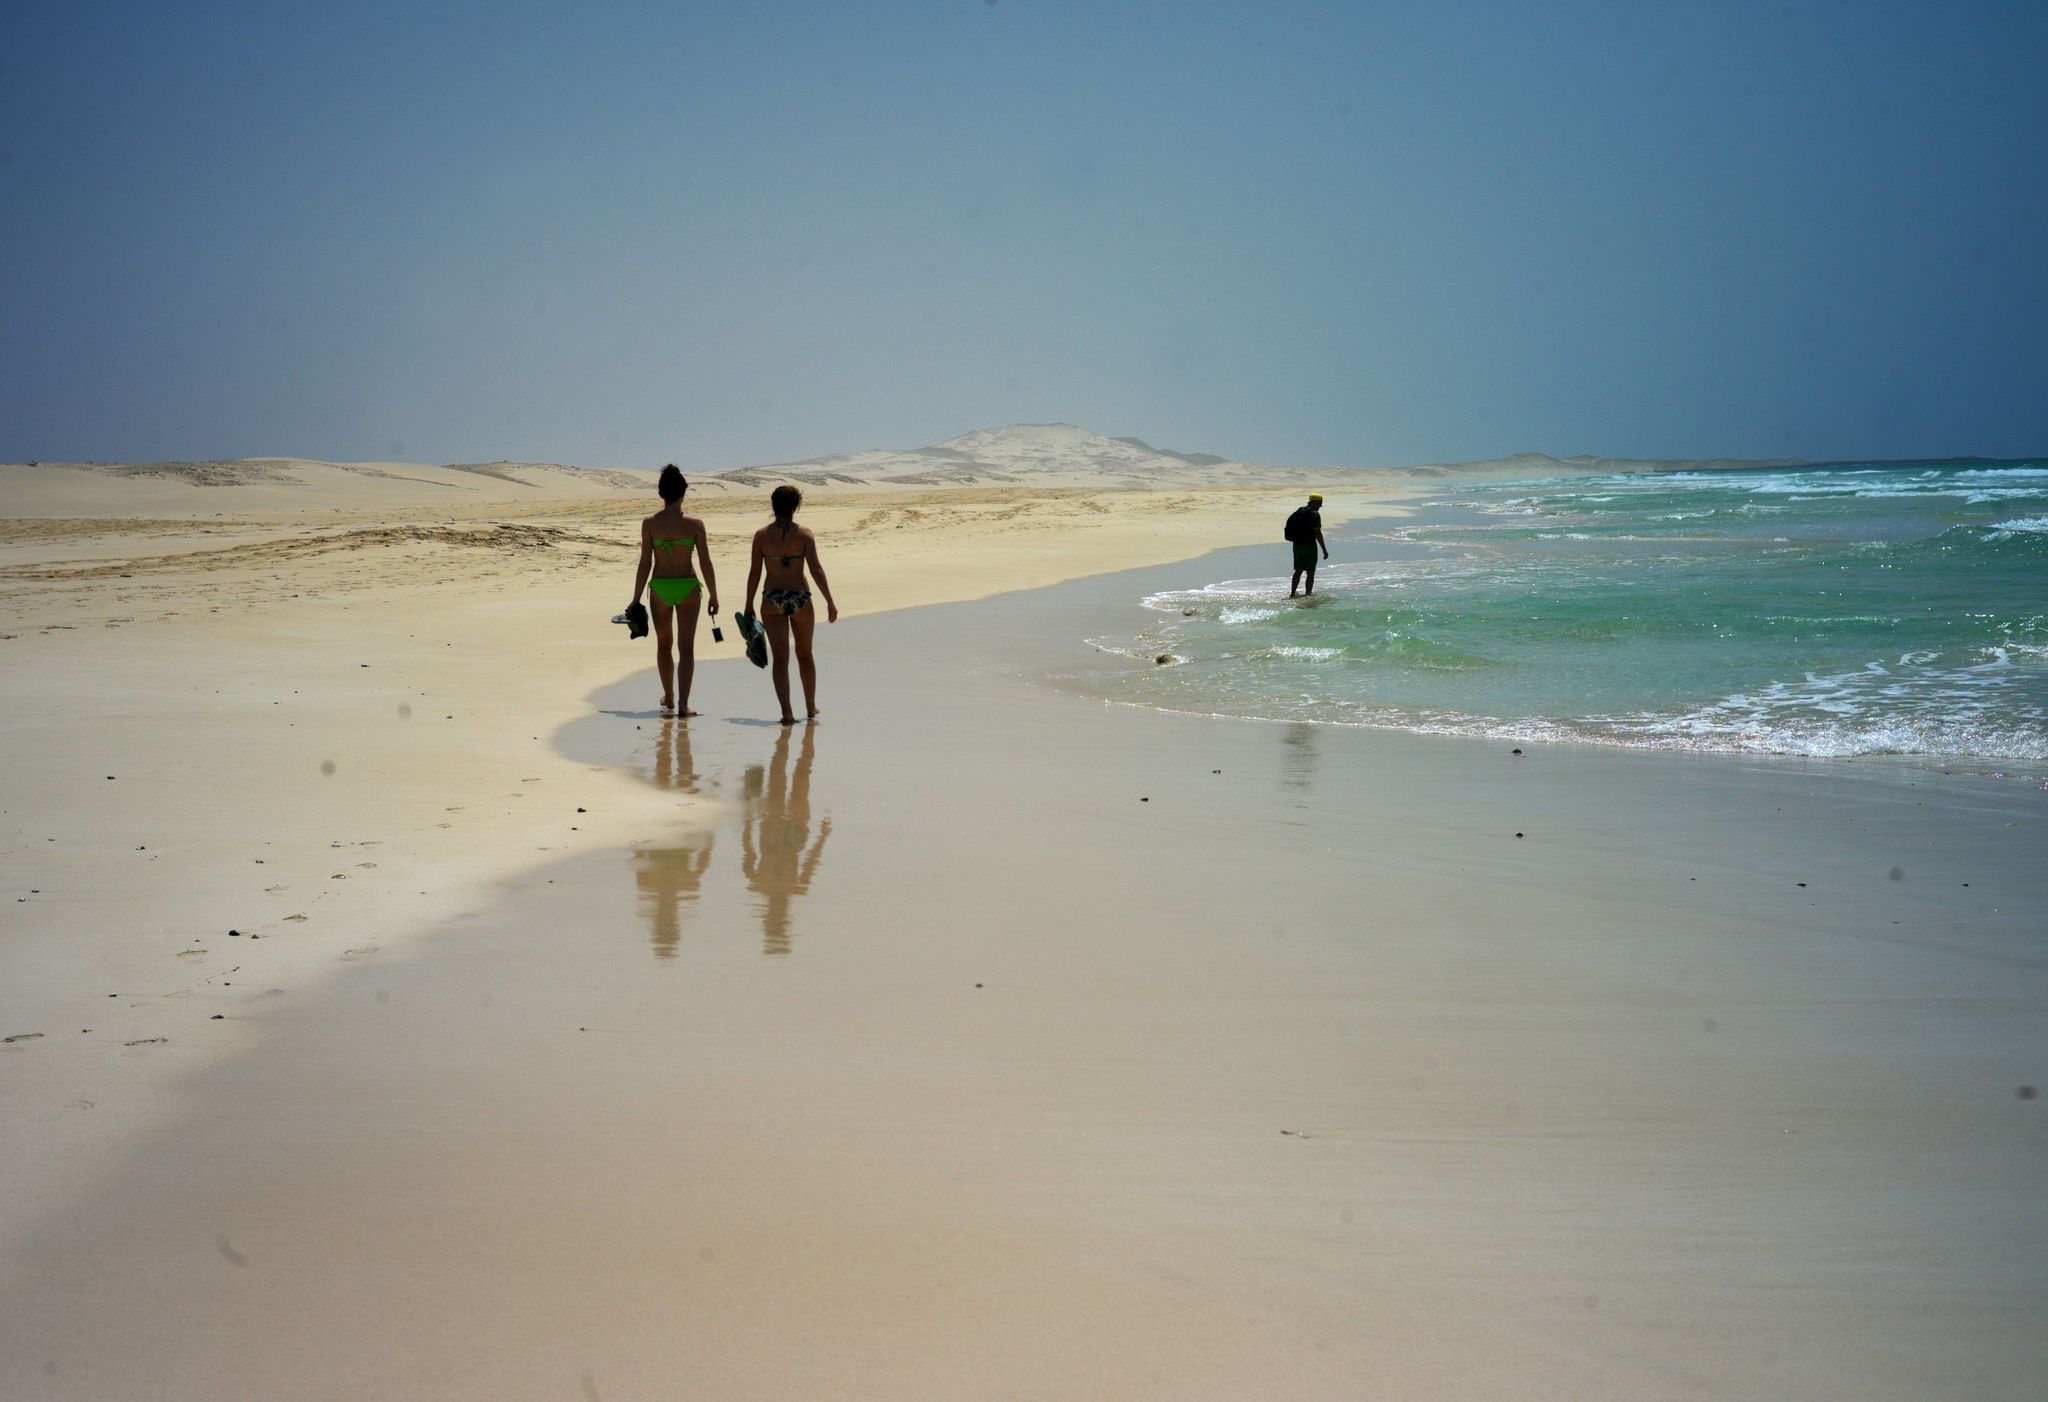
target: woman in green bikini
<point>666,539</point>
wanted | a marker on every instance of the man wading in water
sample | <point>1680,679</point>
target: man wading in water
<point>1305,530</point>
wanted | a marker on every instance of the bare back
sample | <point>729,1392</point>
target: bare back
<point>784,550</point>
<point>672,536</point>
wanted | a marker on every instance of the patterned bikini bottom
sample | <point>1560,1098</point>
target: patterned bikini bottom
<point>788,600</point>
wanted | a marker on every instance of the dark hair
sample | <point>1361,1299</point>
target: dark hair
<point>672,484</point>
<point>784,501</point>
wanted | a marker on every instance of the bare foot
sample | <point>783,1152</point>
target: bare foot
<point>789,720</point>
<point>812,717</point>
<point>668,707</point>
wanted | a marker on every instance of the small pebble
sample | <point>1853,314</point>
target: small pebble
<point>1517,834</point>
<point>217,1017</point>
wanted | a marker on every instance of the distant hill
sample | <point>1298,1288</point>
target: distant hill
<point>1047,454</point>
<point>1016,453</point>
<point>191,487</point>
<point>1028,452</point>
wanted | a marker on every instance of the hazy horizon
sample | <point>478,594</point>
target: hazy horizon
<point>754,235</point>
<point>602,465</point>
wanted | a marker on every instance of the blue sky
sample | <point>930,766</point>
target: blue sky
<point>732,233</point>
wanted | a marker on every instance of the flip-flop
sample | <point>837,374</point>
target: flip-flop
<point>751,634</point>
<point>635,619</point>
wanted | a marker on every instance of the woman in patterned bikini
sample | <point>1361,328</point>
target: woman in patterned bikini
<point>666,539</point>
<point>782,549</point>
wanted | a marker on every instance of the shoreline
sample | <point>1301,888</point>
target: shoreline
<point>1131,654</point>
<point>1090,1071</point>
<point>1242,562</point>
<point>293,766</point>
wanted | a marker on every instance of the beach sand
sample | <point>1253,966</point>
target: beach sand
<point>980,1041</point>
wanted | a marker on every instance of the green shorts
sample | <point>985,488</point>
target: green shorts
<point>1304,554</point>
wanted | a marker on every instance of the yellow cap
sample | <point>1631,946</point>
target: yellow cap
<point>1315,496</point>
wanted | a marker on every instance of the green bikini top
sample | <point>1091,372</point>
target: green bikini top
<point>677,544</point>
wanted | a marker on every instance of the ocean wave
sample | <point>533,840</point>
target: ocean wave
<point>2001,474</point>
<point>1652,612</point>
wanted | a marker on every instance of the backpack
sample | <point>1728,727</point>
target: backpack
<point>1297,527</point>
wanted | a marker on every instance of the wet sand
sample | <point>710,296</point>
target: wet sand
<point>986,1041</point>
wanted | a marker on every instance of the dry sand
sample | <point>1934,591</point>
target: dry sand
<point>981,1042</point>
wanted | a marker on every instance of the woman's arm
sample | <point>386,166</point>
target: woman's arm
<point>646,564</point>
<point>818,573</point>
<point>704,565</point>
<point>754,572</point>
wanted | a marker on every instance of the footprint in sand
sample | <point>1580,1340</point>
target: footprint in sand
<point>22,1037</point>
<point>299,918</point>
<point>145,1041</point>
<point>359,951</point>
<point>188,953</point>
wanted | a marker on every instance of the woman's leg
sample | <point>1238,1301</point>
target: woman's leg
<point>775,623</point>
<point>664,667</point>
<point>800,627</point>
<point>686,648</point>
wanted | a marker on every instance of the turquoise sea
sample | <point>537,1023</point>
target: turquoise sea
<point>1896,609</point>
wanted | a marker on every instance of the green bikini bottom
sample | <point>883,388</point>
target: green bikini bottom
<point>673,591</point>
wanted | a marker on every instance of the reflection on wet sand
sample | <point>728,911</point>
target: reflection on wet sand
<point>1298,757</point>
<point>673,767</point>
<point>777,852</point>
<point>669,879</point>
